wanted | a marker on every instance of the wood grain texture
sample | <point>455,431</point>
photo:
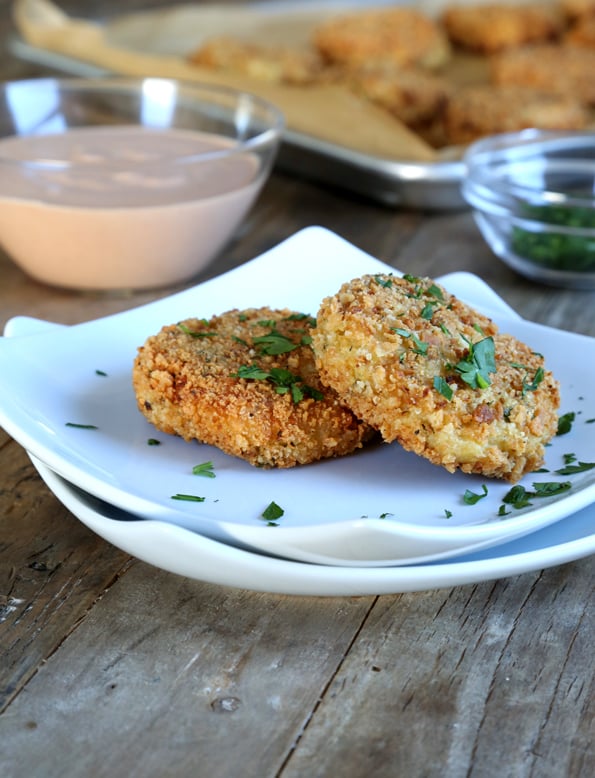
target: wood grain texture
<point>460,682</point>
<point>188,677</point>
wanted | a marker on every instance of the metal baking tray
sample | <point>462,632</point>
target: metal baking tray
<point>433,185</point>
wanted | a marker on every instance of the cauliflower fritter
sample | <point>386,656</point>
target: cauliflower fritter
<point>582,33</point>
<point>277,64</point>
<point>475,111</point>
<point>576,9</point>
<point>435,375</point>
<point>246,382</point>
<point>412,94</point>
<point>492,27</point>
<point>400,36</point>
<point>565,70</point>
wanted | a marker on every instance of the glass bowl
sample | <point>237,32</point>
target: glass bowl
<point>114,183</point>
<point>533,199</point>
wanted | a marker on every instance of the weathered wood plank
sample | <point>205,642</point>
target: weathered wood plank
<point>52,569</point>
<point>180,678</point>
<point>484,680</point>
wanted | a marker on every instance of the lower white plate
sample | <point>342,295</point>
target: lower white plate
<point>186,553</point>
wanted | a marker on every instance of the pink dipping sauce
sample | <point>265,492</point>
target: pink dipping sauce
<point>115,208</point>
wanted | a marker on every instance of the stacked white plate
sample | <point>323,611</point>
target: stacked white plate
<point>379,521</point>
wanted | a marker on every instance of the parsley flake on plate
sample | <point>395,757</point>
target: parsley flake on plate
<point>205,469</point>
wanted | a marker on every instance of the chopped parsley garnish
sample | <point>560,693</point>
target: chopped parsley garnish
<point>188,497</point>
<point>519,497</point>
<point>435,291</point>
<point>443,387</point>
<point>427,311</point>
<point>100,372</point>
<point>272,512</point>
<point>81,426</point>
<point>420,347</point>
<point>537,379</point>
<point>386,283</point>
<point>480,361</point>
<point>573,469</point>
<point>471,498</point>
<point>194,333</point>
<point>447,513</point>
<point>153,442</point>
<point>275,343</point>
<point>565,423</point>
<point>284,381</point>
<point>205,469</point>
<point>310,320</point>
<point>561,249</point>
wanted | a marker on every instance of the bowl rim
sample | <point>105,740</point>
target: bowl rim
<point>269,136</point>
<point>484,159</point>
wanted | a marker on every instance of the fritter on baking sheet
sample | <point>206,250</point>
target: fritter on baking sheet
<point>576,9</point>
<point>246,382</point>
<point>412,94</point>
<point>475,111</point>
<point>435,375</point>
<point>279,64</point>
<point>566,70</point>
<point>397,35</point>
<point>492,27</point>
<point>582,33</point>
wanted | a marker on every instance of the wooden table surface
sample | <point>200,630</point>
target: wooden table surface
<point>112,667</point>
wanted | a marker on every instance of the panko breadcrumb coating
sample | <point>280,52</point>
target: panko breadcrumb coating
<point>566,70</point>
<point>412,94</point>
<point>492,27</point>
<point>475,111</point>
<point>576,9</point>
<point>582,33</point>
<point>405,356</point>
<point>278,64</point>
<point>246,382</point>
<point>400,36</point>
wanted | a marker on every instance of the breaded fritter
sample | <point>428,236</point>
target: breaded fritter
<point>246,382</point>
<point>475,111</point>
<point>582,33</point>
<point>577,9</point>
<point>566,70</point>
<point>405,356</point>
<point>400,36</point>
<point>412,94</point>
<point>492,27</point>
<point>278,64</point>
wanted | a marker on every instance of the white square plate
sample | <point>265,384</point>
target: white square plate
<point>332,508</point>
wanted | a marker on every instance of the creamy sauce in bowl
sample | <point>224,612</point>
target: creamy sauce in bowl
<point>113,207</point>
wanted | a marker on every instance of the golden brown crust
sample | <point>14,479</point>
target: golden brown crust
<point>385,344</point>
<point>185,381</point>
<point>401,36</point>
<point>493,27</point>
<point>279,64</point>
<point>475,111</point>
<point>566,70</point>
<point>582,33</point>
<point>576,9</point>
<point>412,94</point>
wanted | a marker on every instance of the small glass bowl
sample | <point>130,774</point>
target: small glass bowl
<point>533,199</point>
<point>127,184</point>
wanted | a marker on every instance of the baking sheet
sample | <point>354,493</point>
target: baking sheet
<point>332,136</point>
